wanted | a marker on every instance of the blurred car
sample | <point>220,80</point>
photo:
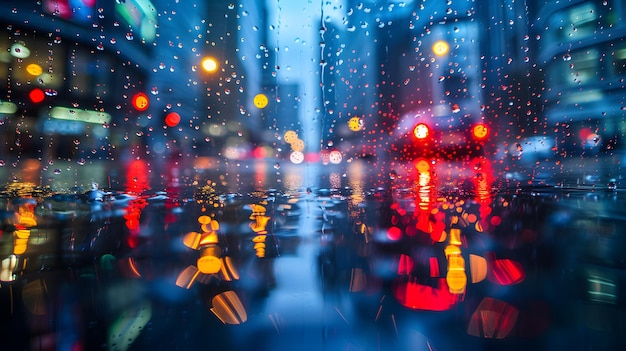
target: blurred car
<point>444,132</point>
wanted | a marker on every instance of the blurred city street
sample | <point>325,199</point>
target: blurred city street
<point>312,175</point>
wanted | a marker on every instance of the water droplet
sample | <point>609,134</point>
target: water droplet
<point>57,171</point>
<point>81,162</point>
<point>129,36</point>
<point>277,165</point>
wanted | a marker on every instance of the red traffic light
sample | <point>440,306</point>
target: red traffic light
<point>36,95</point>
<point>140,102</point>
<point>172,119</point>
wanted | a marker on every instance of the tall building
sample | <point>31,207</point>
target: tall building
<point>71,70</point>
<point>581,53</point>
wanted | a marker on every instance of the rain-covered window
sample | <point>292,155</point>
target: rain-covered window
<point>321,174</point>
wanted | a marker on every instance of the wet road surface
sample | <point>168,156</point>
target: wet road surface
<point>419,262</point>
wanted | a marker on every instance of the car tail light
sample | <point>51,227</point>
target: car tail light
<point>421,131</point>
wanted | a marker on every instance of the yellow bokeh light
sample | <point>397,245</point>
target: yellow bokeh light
<point>34,69</point>
<point>209,264</point>
<point>260,100</point>
<point>290,136</point>
<point>422,166</point>
<point>441,48</point>
<point>355,124</point>
<point>209,64</point>
<point>297,145</point>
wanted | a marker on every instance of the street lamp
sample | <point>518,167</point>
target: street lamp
<point>209,64</point>
<point>441,48</point>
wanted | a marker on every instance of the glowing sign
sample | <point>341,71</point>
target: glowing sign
<point>73,114</point>
<point>7,107</point>
<point>140,15</point>
<point>80,11</point>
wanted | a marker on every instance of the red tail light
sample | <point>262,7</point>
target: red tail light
<point>421,131</point>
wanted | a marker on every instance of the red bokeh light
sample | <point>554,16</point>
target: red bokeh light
<point>394,233</point>
<point>36,95</point>
<point>172,119</point>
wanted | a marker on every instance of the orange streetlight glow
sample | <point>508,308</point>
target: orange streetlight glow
<point>441,48</point>
<point>209,64</point>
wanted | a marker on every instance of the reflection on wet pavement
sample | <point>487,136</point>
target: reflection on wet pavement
<point>418,262</point>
